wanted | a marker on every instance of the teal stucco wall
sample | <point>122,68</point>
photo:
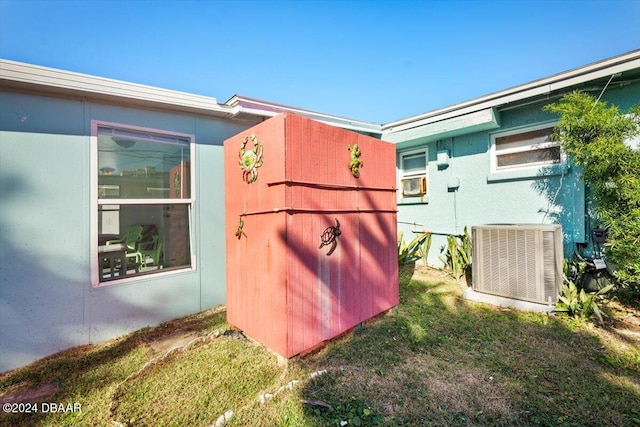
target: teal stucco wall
<point>550,195</point>
<point>47,302</point>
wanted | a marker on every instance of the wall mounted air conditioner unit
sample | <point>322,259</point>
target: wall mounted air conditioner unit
<point>414,186</point>
<point>519,261</point>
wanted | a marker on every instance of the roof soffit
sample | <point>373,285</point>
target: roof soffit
<point>563,81</point>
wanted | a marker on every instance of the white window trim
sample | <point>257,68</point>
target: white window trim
<point>95,202</point>
<point>402,175</point>
<point>533,166</point>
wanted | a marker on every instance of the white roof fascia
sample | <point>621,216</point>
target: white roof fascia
<point>76,83</point>
<point>472,122</point>
<point>265,108</point>
<point>544,86</point>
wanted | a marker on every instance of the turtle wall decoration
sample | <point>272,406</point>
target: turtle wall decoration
<point>328,237</point>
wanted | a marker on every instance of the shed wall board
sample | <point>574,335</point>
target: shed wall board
<point>283,290</point>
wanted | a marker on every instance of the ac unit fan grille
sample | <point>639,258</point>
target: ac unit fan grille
<point>550,270</point>
<point>517,262</point>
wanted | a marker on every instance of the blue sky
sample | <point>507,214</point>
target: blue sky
<point>376,61</point>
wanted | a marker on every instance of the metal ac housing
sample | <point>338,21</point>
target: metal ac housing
<point>519,261</point>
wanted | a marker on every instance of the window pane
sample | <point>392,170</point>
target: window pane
<point>109,220</point>
<point>136,165</point>
<point>524,158</point>
<point>524,139</point>
<point>413,163</point>
<point>147,238</point>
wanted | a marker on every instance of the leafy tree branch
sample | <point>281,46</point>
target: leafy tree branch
<point>592,133</point>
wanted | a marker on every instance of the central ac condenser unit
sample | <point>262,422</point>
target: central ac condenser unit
<point>519,261</point>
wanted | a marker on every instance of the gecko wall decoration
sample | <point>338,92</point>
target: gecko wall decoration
<point>356,163</point>
<point>239,231</point>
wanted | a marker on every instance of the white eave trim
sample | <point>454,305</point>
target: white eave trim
<point>265,108</point>
<point>476,121</point>
<point>544,86</point>
<point>37,77</point>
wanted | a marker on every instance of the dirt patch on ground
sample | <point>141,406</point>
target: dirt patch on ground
<point>172,341</point>
<point>421,385</point>
<point>20,394</point>
<point>430,275</point>
<point>626,323</point>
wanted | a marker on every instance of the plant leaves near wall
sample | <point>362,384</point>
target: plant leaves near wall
<point>457,254</point>
<point>408,254</point>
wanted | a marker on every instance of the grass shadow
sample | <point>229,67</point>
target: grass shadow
<point>443,361</point>
<point>88,373</point>
<point>436,360</point>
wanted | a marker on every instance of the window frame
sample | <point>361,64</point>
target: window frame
<point>527,148</point>
<point>408,175</point>
<point>96,201</point>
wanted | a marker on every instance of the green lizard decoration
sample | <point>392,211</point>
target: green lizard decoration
<point>355,164</point>
<point>239,230</point>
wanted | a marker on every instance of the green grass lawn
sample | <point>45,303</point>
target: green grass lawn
<point>437,360</point>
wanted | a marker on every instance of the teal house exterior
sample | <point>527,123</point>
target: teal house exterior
<point>51,295</point>
<point>86,163</point>
<point>112,193</point>
<point>490,160</point>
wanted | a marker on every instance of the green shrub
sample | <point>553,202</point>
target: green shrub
<point>457,254</point>
<point>408,254</point>
<point>423,251</point>
<point>580,303</point>
<point>592,133</point>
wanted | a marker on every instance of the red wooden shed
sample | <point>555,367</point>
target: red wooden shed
<point>311,231</point>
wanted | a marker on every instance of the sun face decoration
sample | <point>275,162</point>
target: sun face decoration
<point>250,160</point>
